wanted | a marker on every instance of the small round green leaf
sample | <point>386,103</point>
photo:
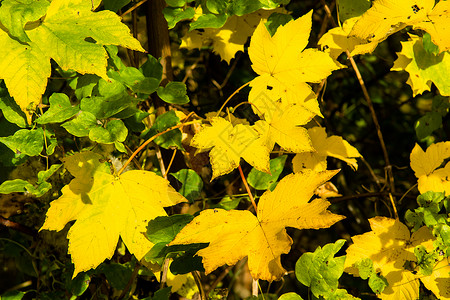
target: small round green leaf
<point>174,93</point>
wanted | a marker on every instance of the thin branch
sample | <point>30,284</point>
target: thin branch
<point>231,96</point>
<point>367,195</point>
<point>133,8</point>
<point>150,140</point>
<point>247,188</point>
<point>370,104</point>
<point>18,227</point>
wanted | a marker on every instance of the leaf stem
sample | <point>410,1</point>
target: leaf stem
<point>231,96</point>
<point>247,188</point>
<point>150,140</point>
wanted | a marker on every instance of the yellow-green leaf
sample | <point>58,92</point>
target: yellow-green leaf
<point>236,234</point>
<point>107,206</point>
<point>423,67</point>
<point>25,69</point>
<point>389,246</point>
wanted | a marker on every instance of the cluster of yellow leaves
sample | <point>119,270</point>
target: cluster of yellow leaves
<point>389,245</point>
<point>106,206</point>
<point>62,35</point>
<point>284,101</point>
<point>427,167</point>
<point>360,35</point>
<point>388,16</point>
<point>235,234</point>
<point>227,40</point>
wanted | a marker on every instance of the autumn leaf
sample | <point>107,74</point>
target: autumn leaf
<point>389,246</point>
<point>106,206</point>
<point>437,25</point>
<point>337,40</point>
<point>427,167</point>
<point>334,146</point>
<point>386,17</point>
<point>227,40</point>
<point>235,234</point>
<point>284,66</point>
<point>423,67</point>
<point>228,143</point>
<point>71,34</point>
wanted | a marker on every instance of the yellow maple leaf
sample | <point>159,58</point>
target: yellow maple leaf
<point>424,68</point>
<point>235,234</point>
<point>284,66</point>
<point>229,143</point>
<point>285,129</point>
<point>386,17</point>
<point>437,25</point>
<point>338,40</point>
<point>106,207</point>
<point>389,245</point>
<point>426,167</point>
<point>227,40</point>
<point>334,146</point>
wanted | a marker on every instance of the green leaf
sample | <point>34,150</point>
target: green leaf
<point>117,275</point>
<point>11,111</point>
<point>186,263</point>
<point>217,6</point>
<point>243,7</point>
<point>425,260</point>
<point>81,125</point>
<point>134,122</point>
<point>24,141</point>
<point>262,181</point>
<point>163,122</point>
<point>12,295</point>
<point>164,229</point>
<point>427,124</point>
<point>15,186</point>
<point>377,283</point>
<point>44,175</point>
<point>321,270</point>
<point>352,8</point>
<point>191,183</point>
<point>79,284</point>
<point>84,85</point>
<point>135,80</point>
<point>441,105</point>
<point>228,202</point>
<point>275,20</point>
<point>176,3</point>
<point>162,294</point>
<point>14,14</point>
<point>290,296</point>
<point>110,99</point>
<point>365,268</point>
<point>51,141</point>
<point>174,15</point>
<point>115,131</point>
<point>209,21</point>
<point>428,44</point>
<point>174,93</point>
<point>152,68</point>
<point>60,110</point>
